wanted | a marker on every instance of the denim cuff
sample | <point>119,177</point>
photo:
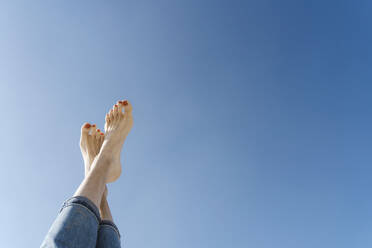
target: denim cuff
<point>81,200</point>
<point>110,223</point>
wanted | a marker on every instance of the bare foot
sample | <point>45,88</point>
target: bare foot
<point>91,141</point>
<point>119,122</point>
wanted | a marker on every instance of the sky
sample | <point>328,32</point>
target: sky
<point>251,119</point>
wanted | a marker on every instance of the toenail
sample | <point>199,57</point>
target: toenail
<point>125,102</point>
<point>101,133</point>
<point>98,130</point>
<point>120,102</point>
<point>116,105</point>
<point>87,125</point>
<point>93,125</point>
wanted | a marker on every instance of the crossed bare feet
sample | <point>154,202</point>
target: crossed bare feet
<point>93,142</point>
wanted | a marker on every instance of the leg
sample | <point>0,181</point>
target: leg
<point>77,224</point>
<point>104,208</point>
<point>108,233</point>
<point>78,221</point>
<point>94,183</point>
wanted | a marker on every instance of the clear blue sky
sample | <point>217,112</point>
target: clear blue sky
<point>252,119</point>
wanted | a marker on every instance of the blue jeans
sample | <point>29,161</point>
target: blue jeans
<point>79,225</point>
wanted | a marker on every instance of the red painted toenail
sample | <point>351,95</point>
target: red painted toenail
<point>94,125</point>
<point>125,102</point>
<point>116,105</point>
<point>101,133</point>
<point>87,125</point>
<point>98,130</point>
<point>120,102</point>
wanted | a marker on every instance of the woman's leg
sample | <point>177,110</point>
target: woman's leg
<point>76,225</point>
<point>108,233</point>
<point>78,221</point>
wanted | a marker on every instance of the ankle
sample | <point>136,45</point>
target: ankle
<point>103,159</point>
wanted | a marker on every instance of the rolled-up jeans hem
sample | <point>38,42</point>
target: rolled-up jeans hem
<point>88,204</point>
<point>85,202</point>
<point>111,224</point>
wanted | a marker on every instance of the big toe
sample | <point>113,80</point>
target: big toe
<point>85,128</point>
<point>126,106</point>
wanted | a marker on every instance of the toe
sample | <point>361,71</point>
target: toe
<point>100,138</point>
<point>94,141</point>
<point>98,134</point>
<point>121,107</point>
<point>85,128</point>
<point>127,106</point>
<point>93,129</point>
<point>116,110</point>
<point>107,122</point>
<point>111,114</point>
